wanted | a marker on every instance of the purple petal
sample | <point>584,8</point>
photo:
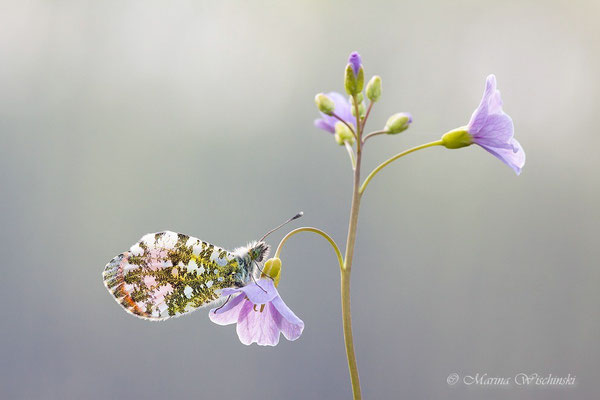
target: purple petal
<point>495,103</point>
<point>229,291</point>
<point>342,109</point>
<point>324,123</point>
<point>480,115</point>
<point>290,324</point>
<point>513,157</point>
<point>497,131</point>
<point>493,129</point>
<point>355,61</point>
<point>261,292</point>
<point>229,313</point>
<point>260,327</point>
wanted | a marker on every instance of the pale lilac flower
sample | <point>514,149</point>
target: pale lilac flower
<point>342,110</point>
<point>492,129</point>
<point>355,61</point>
<point>260,314</point>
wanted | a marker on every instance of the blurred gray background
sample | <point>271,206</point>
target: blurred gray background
<point>123,118</point>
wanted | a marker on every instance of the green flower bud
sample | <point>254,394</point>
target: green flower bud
<point>324,104</point>
<point>359,97</point>
<point>457,138</point>
<point>272,269</point>
<point>343,134</point>
<point>361,109</point>
<point>354,83</point>
<point>374,88</point>
<point>398,123</point>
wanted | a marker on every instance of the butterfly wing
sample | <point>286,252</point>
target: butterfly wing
<point>168,274</point>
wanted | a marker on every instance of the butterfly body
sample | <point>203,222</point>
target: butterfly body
<point>168,274</point>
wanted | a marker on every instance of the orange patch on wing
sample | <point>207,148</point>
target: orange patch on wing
<point>127,299</point>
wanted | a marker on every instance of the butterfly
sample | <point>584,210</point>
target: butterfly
<point>168,274</point>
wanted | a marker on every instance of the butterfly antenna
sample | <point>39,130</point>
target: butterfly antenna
<point>286,222</point>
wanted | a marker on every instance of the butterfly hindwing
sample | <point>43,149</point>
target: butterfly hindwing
<point>168,274</point>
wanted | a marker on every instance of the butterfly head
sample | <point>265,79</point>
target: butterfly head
<point>258,251</point>
<point>250,258</point>
<point>254,254</point>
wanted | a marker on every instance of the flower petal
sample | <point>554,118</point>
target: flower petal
<point>291,326</point>
<point>495,103</point>
<point>343,109</point>
<point>229,291</point>
<point>513,157</point>
<point>497,131</point>
<point>229,313</point>
<point>258,327</point>
<point>261,291</point>
<point>324,123</point>
<point>480,115</point>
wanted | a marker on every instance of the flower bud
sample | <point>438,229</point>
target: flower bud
<point>374,88</point>
<point>343,134</point>
<point>356,61</point>
<point>324,104</point>
<point>355,75</point>
<point>272,269</point>
<point>361,109</point>
<point>359,97</point>
<point>457,138</point>
<point>398,123</point>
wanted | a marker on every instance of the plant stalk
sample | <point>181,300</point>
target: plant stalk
<point>346,271</point>
<point>394,158</point>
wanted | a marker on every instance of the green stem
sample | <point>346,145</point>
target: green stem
<point>351,154</point>
<point>345,282</point>
<point>338,253</point>
<point>346,271</point>
<point>373,134</point>
<point>394,158</point>
<point>367,115</point>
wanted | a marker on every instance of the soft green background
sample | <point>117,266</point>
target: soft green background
<point>119,118</point>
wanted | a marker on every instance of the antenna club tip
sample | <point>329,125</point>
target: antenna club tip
<point>286,222</point>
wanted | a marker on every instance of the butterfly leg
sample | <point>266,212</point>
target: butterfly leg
<point>256,283</point>
<point>223,305</point>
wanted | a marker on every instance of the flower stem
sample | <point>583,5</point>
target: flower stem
<point>351,154</point>
<point>374,134</point>
<point>345,281</point>
<point>346,271</point>
<point>366,116</point>
<point>338,253</point>
<point>394,158</point>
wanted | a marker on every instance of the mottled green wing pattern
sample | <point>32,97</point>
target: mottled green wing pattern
<point>168,274</point>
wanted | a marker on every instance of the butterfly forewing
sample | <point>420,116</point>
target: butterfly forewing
<point>168,274</point>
